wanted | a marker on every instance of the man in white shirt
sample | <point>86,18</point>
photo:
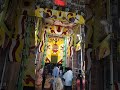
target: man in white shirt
<point>68,77</point>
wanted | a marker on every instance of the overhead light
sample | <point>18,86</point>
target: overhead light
<point>78,35</point>
<point>60,2</point>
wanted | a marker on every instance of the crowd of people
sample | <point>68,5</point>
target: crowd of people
<point>62,78</point>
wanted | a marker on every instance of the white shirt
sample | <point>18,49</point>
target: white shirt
<point>68,76</point>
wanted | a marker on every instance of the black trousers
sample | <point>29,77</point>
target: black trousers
<point>67,87</point>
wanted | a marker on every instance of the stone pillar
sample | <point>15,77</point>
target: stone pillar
<point>11,76</point>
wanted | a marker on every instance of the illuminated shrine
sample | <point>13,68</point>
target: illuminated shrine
<point>57,31</point>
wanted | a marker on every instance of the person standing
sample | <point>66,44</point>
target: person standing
<point>68,78</point>
<point>55,75</point>
<point>44,76</point>
<point>38,80</point>
<point>58,84</point>
<point>55,71</point>
<point>61,72</point>
<point>79,84</point>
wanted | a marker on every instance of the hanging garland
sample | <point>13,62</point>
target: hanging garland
<point>66,20</point>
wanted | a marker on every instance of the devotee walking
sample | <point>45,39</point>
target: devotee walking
<point>58,84</point>
<point>68,78</point>
<point>55,75</point>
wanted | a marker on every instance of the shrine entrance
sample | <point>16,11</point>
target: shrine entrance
<point>58,35</point>
<point>57,38</point>
<point>54,59</point>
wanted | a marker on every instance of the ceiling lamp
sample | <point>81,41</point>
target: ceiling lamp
<point>60,2</point>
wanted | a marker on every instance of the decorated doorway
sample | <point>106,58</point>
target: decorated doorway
<point>58,37</point>
<point>55,34</point>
